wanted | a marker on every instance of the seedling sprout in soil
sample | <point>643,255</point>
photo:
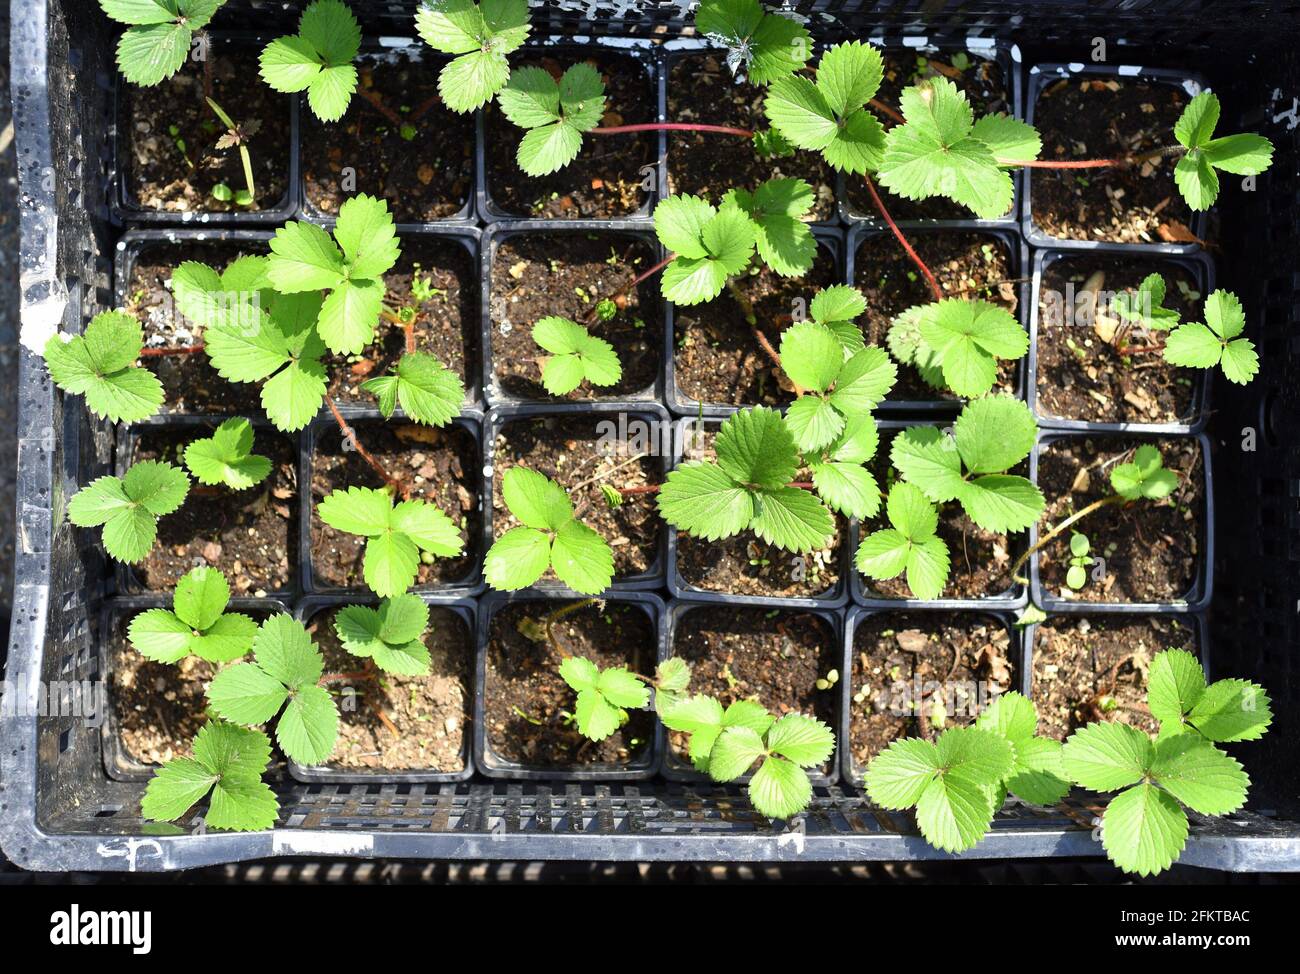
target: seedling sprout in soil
<point>784,476</point>
<point>236,137</point>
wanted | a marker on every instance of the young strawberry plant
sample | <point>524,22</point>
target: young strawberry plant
<point>129,507</point>
<point>396,534</point>
<point>549,536</point>
<point>392,635</point>
<point>197,623</point>
<point>282,679</point>
<point>1197,172</point>
<point>236,136</point>
<point>349,266</point>
<point>577,356</point>
<point>227,769</point>
<point>1217,342</point>
<point>159,35</point>
<point>910,545</point>
<point>965,340</point>
<point>480,35</point>
<point>100,366</point>
<point>554,113</point>
<point>1144,827</point>
<point>1080,561</point>
<point>318,59</point>
<point>428,391</point>
<point>957,782</point>
<point>227,457</point>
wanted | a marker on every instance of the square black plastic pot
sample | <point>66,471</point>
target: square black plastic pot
<point>1015,597</point>
<point>829,238</point>
<point>831,598</point>
<point>658,426</point>
<point>1201,269</point>
<point>568,52</point>
<point>1195,620</point>
<point>1018,253</point>
<point>314,605</point>
<point>118,762</point>
<point>850,773</point>
<point>126,209</point>
<point>198,426</point>
<point>492,238</point>
<point>675,769</point>
<point>1042,75</point>
<point>489,764</point>
<point>379,50</point>
<point>1197,597</point>
<point>467,586</point>
<point>1007,56</point>
<point>687,48</point>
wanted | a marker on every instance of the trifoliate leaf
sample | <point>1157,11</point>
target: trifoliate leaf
<point>317,59</point>
<point>390,635</point>
<point>1145,305</point>
<point>99,366</point>
<point>765,46</point>
<point>226,457</point>
<point>482,34</point>
<point>556,113</point>
<point>847,488</point>
<point>938,153</point>
<point>428,392</point>
<point>1195,176</point>
<point>129,508</point>
<point>576,355</point>
<point>804,740</point>
<point>1144,477</point>
<point>229,761</point>
<point>395,535</point>
<point>911,545</point>
<point>719,243</point>
<point>1037,775</point>
<point>829,115</point>
<point>158,35</point>
<point>969,336</point>
<point>928,458</point>
<point>1216,342</point>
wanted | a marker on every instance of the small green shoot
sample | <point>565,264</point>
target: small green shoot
<point>1195,174</point>
<point>129,507</point>
<point>576,355</point>
<point>100,366</point>
<point>197,623</point>
<point>392,635</point>
<point>226,457</point>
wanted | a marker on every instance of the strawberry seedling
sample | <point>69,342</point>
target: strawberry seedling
<point>100,366</point>
<point>159,35</point>
<point>761,46</point>
<point>576,356</point>
<point>197,623</point>
<point>480,35</point>
<point>391,635</point>
<point>227,769</point>
<point>129,507</point>
<point>318,59</point>
<point>226,457</point>
<point>554,113</point>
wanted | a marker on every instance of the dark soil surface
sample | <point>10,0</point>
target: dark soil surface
<point>528,703</point>
<point>701,88</point>
<point>773,656</point>
<point>157,121</point>
<point>424,178</point>
<point>190,384</point>
<point>915,673</point>
<point>568,274</point>
<point>250,535</point>
<point>157,707</point>
<point>447,326</point>
<point>967,264</point>
<point>1090,369</point>
<point>1095,668</point>
<point>1151,549</point>
<point>746,565</point>
<point>430,712</point>
<point>718,359</point>
<point>979,560</point>
<point>604,181</point>
<point>441,466</point>
<point>985,86</point>
<point>580,453</point>
<point>1108,119</point>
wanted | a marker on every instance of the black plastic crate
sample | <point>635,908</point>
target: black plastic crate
<point>61,810</point>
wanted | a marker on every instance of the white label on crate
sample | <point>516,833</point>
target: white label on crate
<point>297,842</point>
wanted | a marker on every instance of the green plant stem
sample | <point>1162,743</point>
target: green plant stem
<point>1056,531</point>
<point>549,620</point>
<point>898,235</point>
<point>350,436</point>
